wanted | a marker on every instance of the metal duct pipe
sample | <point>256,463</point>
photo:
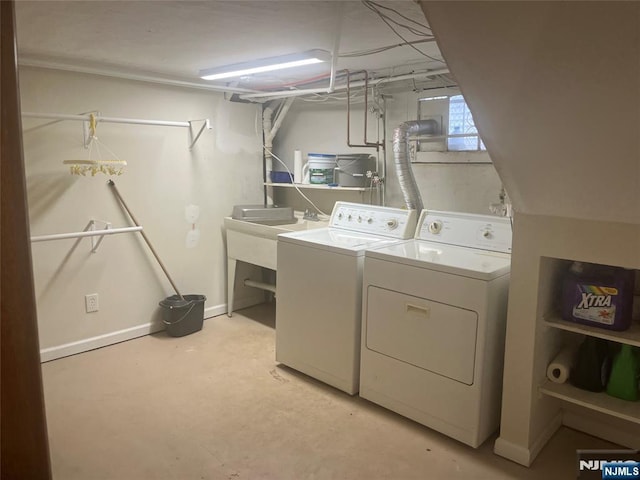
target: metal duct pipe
<point>401,135</point>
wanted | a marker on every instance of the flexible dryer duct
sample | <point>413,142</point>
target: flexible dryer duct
<point>401,135</point>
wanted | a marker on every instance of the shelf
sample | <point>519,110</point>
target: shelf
<point>318,187</point>
<point>600,402</point>
<point>630,336</point>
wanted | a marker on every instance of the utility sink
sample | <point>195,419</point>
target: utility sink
<point>270,231</point>
<point>257,243</point>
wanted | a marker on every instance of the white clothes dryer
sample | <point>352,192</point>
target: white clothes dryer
<point>319,290</point>
<point>434,313</point>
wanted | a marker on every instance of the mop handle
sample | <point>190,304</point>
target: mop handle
<point>112,184</point>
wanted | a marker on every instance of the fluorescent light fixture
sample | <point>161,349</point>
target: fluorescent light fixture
<point>265,65</point>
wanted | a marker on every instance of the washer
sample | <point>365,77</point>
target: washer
<point>434,313</point>
<point>319,290</point>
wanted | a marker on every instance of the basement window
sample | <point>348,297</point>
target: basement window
<point>460,134</point>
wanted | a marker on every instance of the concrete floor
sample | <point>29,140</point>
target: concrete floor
<point>215,405</point>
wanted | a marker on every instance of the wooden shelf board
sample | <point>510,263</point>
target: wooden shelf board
<point>317,187</point>
<point>630,336</point>
<point>600,402</point>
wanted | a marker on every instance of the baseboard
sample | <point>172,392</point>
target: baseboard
<point>86,344</point>
<point>511,451</point>
<point>526,455</point>
<point>540,442</point>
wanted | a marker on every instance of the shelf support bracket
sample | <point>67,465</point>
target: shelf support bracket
<point>206,124</point>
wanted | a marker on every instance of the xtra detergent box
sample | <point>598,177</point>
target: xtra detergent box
<point>598,295</point>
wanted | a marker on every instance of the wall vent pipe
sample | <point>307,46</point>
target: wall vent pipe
<point>404,171</point>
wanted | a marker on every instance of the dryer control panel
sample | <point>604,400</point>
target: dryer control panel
<point>485,232</point>
<point>386,221</point>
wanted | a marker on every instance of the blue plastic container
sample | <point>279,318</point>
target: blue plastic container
<point>281,177</point>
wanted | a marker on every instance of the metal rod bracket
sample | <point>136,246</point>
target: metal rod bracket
<point>206,124</point>
<point>95,241</point>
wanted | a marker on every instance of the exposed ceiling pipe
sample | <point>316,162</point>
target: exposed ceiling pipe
<point>404,171</point>
<point>243,93</point>
<point>270,135</point>
<point>336,47</point>
<point>366,144</point>
<point>307,91</point>
<point>267,162</point>
<point>269,129</point>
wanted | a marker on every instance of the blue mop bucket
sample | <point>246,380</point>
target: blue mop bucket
<point>183,317</point>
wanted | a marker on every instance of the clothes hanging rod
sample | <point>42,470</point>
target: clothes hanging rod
<point>100,118</point>
<point>89,233</point>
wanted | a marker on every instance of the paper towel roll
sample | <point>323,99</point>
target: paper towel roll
<point>297,166</point>
<point>559,369</point>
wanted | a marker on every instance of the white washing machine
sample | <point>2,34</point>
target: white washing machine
<point>319,290</point>
<point>434,313</point>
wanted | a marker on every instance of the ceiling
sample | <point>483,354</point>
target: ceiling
<point>174,40</point>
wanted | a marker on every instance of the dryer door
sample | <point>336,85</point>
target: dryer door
<point>431,335</point>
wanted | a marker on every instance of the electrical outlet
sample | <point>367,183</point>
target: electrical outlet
<point>91,302</point>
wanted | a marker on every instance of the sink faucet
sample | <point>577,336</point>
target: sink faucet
<point>309,215</point>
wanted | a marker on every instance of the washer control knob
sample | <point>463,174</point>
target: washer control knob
<point>370,220</point>
<point>349,218</point>
<point>340,216</point>
<point>435,227</point>
<point>359,219</point>
<point>487,234</point>
<point>392,223</point>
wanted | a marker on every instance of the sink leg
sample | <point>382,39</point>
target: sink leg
<point>231,281</point>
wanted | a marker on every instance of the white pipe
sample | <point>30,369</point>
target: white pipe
<point>336,47</point>
<point>89,233</point>
<point>261,285</point>
<point>297,93</point>
<point>270,128</point>
<point>280,118</point>
<point>99,118</point>
<point>245,93</point>
<point>267,113</point>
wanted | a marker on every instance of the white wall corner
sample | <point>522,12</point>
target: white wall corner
<point>526,454</point>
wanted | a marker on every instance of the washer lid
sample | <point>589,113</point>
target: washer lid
<point>341,241</point>
<point>463,261</point>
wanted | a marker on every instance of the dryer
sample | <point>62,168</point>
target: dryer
<point>319,290</point>
<point>434,313</point>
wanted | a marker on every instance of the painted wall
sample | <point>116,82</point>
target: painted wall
<point>320,128</point>
<point>162,177</point>
<point>566,144</point>
<point>557,107</point>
